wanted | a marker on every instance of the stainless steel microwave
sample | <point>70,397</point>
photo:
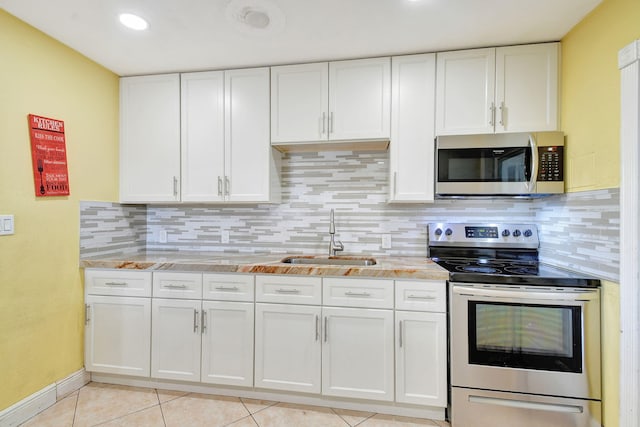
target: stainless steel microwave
<point>503,165</point>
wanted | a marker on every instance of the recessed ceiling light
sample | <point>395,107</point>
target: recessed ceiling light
<point>132,21</point>
<point>255,17</point>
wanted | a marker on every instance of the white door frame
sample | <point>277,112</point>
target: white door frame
<point>629,64</point>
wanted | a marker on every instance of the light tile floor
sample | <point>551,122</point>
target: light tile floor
<point>118,406</point>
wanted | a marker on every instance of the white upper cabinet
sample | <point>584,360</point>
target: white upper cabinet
<point>202,136</point>
<point>150,138</point>
<point>336,101</point>
<point>411,150</point>
<point>506,89</point>
<point>299,102</point>
<point>527,88</point>
<point>196,137</point>
<point>247,150</point>
<point>360,99</point>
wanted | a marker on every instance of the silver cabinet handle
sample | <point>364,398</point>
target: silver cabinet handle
<point>357,294</point>
<point>331,122</point>
<point>502,113</point>
<point>324,123</point>
<point>227,185</point>
<point>317,329</point>
<point>195,320</point>
<point>117,284</point>
<point>326,328</point>
<point>400,334</point>
<point>227,288</point>
<point>219,186</point>
<point>428,298</point>
<point>175,186</point>
<point>288,291</point>
<point>86,314</point>
<point>492,114</point>
<point>203,329</point>
<point>395,183</point>
<point>172,286</point>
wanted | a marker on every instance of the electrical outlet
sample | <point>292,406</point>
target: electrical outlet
<point>162,236</point>
<point>224,236</point>
<point>386,241</point>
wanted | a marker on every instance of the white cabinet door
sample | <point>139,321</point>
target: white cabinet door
<point>227,343</point>
<point>527,88</point>
<point>175,350</point>
<point>150,138</point>
<point>357,353</point>
<point>202,107</point>
<point>411,151</point>
<point>287,350</point>
<point>117,335</point>
<point>299,102</point>
<point>247,146</point>
<point>421,358</point>
<point>360,99</point>
<point>465,92</point>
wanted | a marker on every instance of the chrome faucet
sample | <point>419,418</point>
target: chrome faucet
<point>333,245</point>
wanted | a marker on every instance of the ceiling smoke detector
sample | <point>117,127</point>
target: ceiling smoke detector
<point>255,16</point>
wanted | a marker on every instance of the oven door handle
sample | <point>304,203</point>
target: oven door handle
<point>581,295</point>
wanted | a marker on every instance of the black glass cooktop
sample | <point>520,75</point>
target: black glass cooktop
<point>511,271</point>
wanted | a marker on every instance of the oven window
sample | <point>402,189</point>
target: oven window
<point>528,336</point>
<point>510,164</point>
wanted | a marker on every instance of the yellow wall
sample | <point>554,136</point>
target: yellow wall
<point>590,94</point>
<point>41,295</point>
<point>610,295</point>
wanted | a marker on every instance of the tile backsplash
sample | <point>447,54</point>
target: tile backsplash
<point>355,184</point>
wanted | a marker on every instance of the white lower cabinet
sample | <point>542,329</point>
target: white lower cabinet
<point>421,358</point>
<point>288,347</point>
<point>357,353</point>
<point>356,338</point>
<point>175,339</point>
<point>227,343</point>
<point>117,335</point>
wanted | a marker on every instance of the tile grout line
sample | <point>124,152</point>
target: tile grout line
<point>75,407</point>
<point>160,405</point>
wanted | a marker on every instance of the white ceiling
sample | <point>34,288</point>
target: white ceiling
<point>190,35</point>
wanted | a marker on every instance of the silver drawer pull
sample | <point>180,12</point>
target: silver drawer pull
<point>288,291</point>
<point>357,294</point>
<point>428,298</point>
<point>227,288</point>
<point>172,286</point>
<point>117,284</point>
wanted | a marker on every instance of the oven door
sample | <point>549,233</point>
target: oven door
<point>504,164</point>
<point>539,340</point>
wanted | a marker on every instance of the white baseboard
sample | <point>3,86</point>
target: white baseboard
<point>32,405</point>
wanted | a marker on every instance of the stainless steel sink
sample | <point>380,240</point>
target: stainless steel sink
<point>330,260</point>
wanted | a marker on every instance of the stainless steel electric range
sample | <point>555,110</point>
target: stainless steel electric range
<point>524,336</point>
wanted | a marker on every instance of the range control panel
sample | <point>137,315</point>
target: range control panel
<point>551,163</point>
<point>483,235</point>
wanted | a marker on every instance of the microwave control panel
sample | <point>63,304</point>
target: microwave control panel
<point>551,163</point>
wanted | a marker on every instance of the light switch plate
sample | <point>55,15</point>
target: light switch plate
<point>386,241</point>
<point>6,225</point>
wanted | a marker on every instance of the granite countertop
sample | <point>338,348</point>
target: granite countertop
<point>386,267</point>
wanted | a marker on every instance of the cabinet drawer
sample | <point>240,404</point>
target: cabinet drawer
<point>228,287</point>
<point>368,293</point>
<point>289,289</point>
<point>429,295</point>
<point>118,282</point>
<point>177,285</point>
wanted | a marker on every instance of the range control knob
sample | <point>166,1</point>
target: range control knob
<point>528,233</point>
<point>516,233</point>
<point>448,232</point>
<point>505,233</point>
<point>438,232</point>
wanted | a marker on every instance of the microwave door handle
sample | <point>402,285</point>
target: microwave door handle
<point>534,163</point>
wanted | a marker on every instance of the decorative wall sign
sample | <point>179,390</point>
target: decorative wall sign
<point>49,156</point>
